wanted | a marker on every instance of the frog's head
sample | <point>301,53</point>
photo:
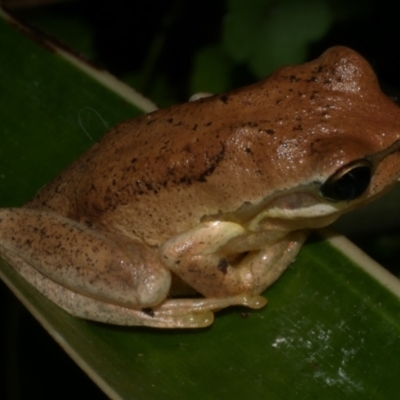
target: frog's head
<point>327,141</point>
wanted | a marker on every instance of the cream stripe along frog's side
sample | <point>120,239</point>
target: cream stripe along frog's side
<point>214,196</point>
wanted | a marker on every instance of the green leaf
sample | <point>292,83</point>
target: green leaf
<point>242,24</point>
<point>331,330</point>
<point>52,110</point>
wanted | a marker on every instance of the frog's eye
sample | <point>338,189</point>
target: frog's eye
<point>349,182</point>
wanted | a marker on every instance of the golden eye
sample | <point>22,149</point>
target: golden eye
<point>349,182</point>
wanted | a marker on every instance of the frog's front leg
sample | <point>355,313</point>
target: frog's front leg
<point>221,259</point>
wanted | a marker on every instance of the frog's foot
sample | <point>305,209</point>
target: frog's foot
<point>174,313</point>
<point>213,304</point>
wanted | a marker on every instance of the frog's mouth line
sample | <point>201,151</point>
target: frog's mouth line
<point>305,205</point>
<point>306,202</point>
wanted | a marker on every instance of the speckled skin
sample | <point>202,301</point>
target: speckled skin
<point>219,191</point>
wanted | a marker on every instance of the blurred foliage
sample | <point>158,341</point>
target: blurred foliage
<point>265,35</point>
<point>211,46</point>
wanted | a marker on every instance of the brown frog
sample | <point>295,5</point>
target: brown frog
<point>214,196</point>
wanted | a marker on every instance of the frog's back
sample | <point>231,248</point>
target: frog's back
<point>167,170</point>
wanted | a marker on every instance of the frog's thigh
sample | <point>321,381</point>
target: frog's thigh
<point>110,268</point>
<point>204,264</point>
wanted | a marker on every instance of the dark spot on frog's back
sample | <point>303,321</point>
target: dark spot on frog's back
<point>251,124</point>
<point>187,148</point>
<point>212,164</point>
<point>314,95</point>
<point>224,98</point>
<point>186,180</point>
<point>174,122</point>
<point>149,186</point>
<point>298,127</point>
<point>313,79</point>
<point>151,121</point>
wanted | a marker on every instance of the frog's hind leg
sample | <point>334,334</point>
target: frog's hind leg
<point>109,267</point>
<point>100,276</point>
<point>176,313</point>
<point>70,262</point>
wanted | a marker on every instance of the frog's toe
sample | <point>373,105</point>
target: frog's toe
<point>192,320</point>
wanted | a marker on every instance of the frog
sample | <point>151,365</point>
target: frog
<point>190,209</point>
